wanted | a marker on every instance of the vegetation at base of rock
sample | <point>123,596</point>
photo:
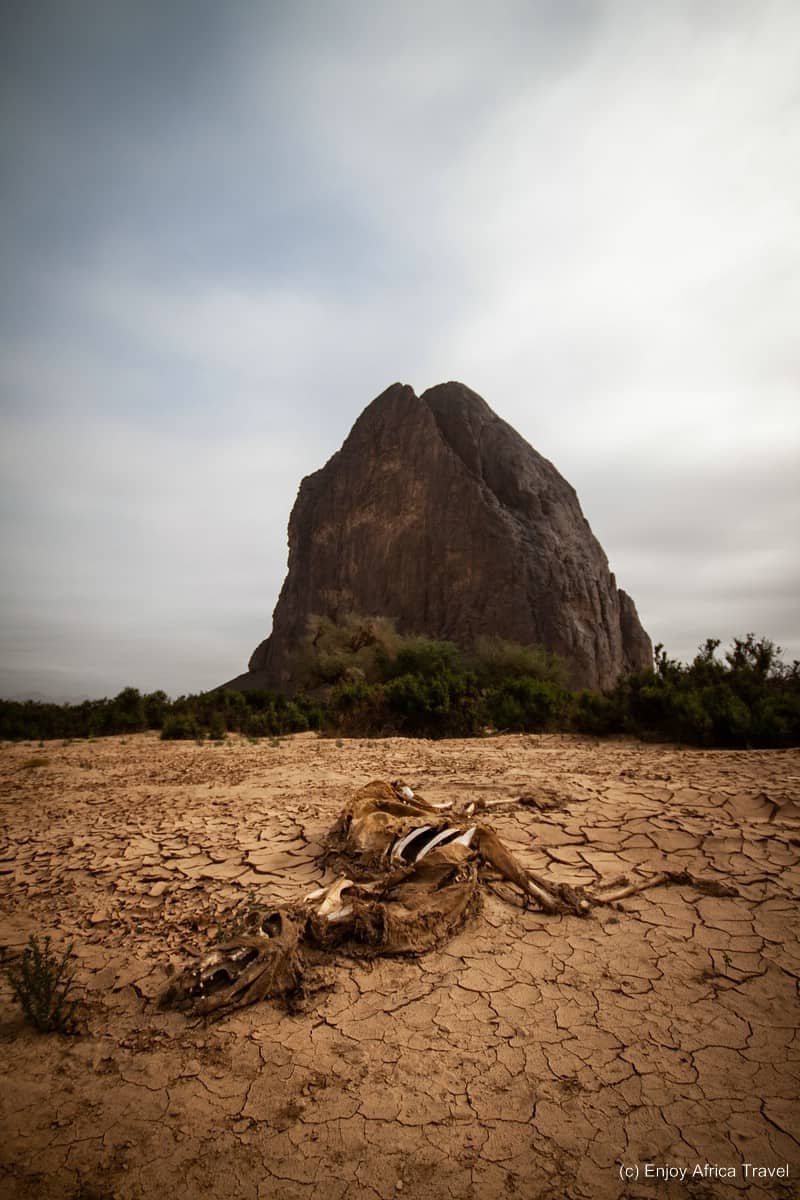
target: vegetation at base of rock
<point>525,703</point>
<point>363,679</point>
<point>749,698</point>
<point>42,984</point>
<point>496,661</point>
<point>384,683</point>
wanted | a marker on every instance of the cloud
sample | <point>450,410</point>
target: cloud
<point>231,227</point>
<point>126,545</point>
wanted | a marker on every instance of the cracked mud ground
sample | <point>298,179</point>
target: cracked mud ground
<point>529,1057</point>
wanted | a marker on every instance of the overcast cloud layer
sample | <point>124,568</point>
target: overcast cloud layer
<point>228,226</point>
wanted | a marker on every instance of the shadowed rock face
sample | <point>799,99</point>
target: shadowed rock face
<point>437,513</point>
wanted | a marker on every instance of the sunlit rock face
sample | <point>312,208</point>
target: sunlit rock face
<point>435,512</point>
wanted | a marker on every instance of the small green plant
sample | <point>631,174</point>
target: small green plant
<point>42,984</point>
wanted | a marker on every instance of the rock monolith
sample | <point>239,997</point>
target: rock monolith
<point>435,512</point>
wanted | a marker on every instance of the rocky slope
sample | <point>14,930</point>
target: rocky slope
<point>437,513</point>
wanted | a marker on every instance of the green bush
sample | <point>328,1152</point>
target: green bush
<point>596,714</point>
<point>217,729</point>
<point>425,657</point>
<point>156,707</point>
<point>355,709</point>
<point>775,720</point>
<point>417,703</point>
<point>494,660</point>
<point>748,698</point>
<point>525,705</point>
<point>42,985</point>
<point>127,711</point>
<point>260,724</point>
<point>293,719</point>
<point>446,704</point>
<point>688,719</point>
<point>180,727</point>
<point>728,715</point>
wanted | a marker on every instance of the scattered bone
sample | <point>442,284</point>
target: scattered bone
<point>332,901</point>
<point>483,805</point>
<point>708,887</point>
<point>340,914</point>
<point>631,889</point>
<point>542,803</point>
<point>317,894</point>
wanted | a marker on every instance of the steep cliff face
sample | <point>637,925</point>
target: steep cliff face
<point>437,513</point>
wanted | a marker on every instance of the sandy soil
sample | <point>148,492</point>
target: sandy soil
<point>532,1056</point>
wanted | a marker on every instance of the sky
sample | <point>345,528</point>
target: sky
<point>227,227</point>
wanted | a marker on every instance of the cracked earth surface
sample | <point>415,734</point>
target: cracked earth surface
<point>532,1056</point>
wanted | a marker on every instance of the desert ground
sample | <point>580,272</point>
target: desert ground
<point>532,1056</point>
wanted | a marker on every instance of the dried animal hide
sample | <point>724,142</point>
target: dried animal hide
<point>408,912</point>
<point>410,880</point>
<point>383,822</point>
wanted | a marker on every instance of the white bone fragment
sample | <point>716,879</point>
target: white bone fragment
<point>548,902</point>
<point>333,899</point>
<point>469,810</point>
<point>433,843</point>
<point>632,889</point>
<point>399,847</point>
<point>340,913</point>
<point>315,895</point>
<point>466,838</point>
<point>406,793</point>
